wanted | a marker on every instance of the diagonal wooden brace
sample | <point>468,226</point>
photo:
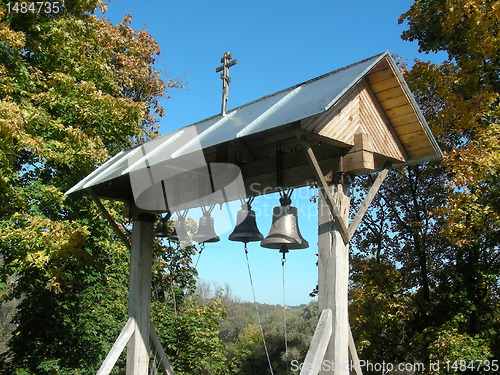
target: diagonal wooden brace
<point>368,199</point>
<point>160,353</point>
<point>319,343</point>
<point>323,188</point>
<point>354,354</point>
<point>110,220</point>
<point>118,347</point>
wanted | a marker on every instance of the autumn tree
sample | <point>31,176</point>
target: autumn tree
<point>465,92</point>
<point>436,228</point>
<point>75,90</point>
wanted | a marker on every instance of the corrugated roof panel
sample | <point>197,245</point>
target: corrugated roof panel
<point>288,106</point>
<point>298,102</point>
<point>225,128</point>
<point>317,95</point>
<point>98,171</point>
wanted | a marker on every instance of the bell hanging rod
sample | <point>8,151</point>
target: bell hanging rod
<point>248,202</point>
<point>287,194</point>
<point>182,214</point>
<point>279,166</point>
<point>209,210</point>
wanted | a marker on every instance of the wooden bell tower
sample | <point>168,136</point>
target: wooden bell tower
<point>355,120</point>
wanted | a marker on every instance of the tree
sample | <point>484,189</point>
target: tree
<point>436,227</point>
<point>247,355</point>
<point>74,90</point>
<point>467,87</point>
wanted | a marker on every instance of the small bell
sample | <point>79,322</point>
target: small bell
<point>162,230</point>
<point>285,229</point>
<point>180,232</point>
<point>206,229</point>
<point>246,226</point>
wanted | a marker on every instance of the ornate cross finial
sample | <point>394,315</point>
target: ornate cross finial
<point>226,80</point>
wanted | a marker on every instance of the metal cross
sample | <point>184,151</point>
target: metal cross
<point>226,80</point>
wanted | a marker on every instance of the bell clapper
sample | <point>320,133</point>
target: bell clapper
<point>283,250</point>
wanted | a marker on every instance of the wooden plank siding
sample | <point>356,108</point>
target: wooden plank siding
<point>399,111</point>
<point>358,113</point>
<point>375,123</point>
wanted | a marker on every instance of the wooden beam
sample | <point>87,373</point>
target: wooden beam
<point>323,188</point>
<point>243,148</point>
<point>117,348</point>
<point>333,278</point>
<point>319,343</point>
<point>160,353</point>
<point>360,157</point>
<point>354,354</point>
<point>368,200</point>
<point>140,293</point>
<point>110,220</point>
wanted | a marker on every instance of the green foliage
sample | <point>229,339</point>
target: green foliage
<point>246,353</point>
<point>378,309</point>
<point>74,90</point>
<point>190,336</point>
<point>425,271</point>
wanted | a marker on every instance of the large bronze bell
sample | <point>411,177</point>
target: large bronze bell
<point>285,229</point>
<point>206,230</point>
<point>246,226</point>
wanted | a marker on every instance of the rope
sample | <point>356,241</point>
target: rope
<point>257,310</point>
<point>284,313</point>
<point>156,364</point>
<point>202,246</point>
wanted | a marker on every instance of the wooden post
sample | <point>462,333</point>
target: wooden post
<point>140,293</point>
<point>333,269</point>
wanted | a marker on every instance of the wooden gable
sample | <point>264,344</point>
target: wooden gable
<point>377,106</point>
<point>358,113</point>
<point>400,111</point>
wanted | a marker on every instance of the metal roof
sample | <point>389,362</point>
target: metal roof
<point>188,146</point>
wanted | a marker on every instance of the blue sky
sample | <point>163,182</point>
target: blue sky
<point>277,44</point>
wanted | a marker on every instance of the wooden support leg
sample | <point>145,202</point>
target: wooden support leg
<point>140,294</point>
<point>160,354</point>
<point>333,269</point>
<point>341,224</point>
<point>319,343</point>
<point>354,354</point>
<point>117,348</point>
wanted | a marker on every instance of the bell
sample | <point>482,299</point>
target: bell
<point>180,231</point>
<point>206,230</point>
<point>246,227</point>
<point>162,228</point>
<point>285,229</point>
